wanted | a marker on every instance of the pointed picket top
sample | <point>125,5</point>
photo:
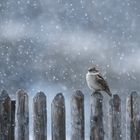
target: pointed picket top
<point>40,95</point>
<point>116,102</point>
<point>4,95</point>
<point>78,94</point>
<point>97,95</point>
<point>22,92</point>
<point>116,96</point>
<point>134,93</point>
<point>58,100</point>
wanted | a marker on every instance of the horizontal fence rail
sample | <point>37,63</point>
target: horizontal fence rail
<point>14,117</point>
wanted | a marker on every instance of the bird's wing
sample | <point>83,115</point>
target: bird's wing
<point>103,84</point>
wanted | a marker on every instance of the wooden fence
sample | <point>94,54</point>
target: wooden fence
<point>14,117</point>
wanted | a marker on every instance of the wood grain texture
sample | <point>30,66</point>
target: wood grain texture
<point>22,113</point>
<point>133,116</point>
<point>96,117</point>
<point>115,118</point>
<point>5,116</point>
<point>77,116</point>
<point>58,118</point>
<point>13,110</point>
<point>40,116</point>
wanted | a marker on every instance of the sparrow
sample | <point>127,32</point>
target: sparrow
<point>96,82</point>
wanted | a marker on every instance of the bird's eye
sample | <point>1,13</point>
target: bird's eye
<point>90,70</point>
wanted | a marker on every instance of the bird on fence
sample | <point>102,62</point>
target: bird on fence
<point>96,82</point>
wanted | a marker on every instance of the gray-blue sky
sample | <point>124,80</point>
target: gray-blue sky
<point>57,40</point>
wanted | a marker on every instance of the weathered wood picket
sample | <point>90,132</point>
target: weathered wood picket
<point>133,117</point>
<point>5,116</point>
<point>96,117</point>
<point>77,115</point>
<point>14,117</point>
<point>58,118</point>
<point>22,114</point>
<point>40,116</point>
<point>115,113</point>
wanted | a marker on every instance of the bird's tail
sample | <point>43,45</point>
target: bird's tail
<point>109,93</point>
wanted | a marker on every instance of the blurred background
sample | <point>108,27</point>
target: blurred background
<point>49,45</point>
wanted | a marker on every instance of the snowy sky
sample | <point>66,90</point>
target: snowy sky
<point>51,43</point>
<point>55,41</point>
